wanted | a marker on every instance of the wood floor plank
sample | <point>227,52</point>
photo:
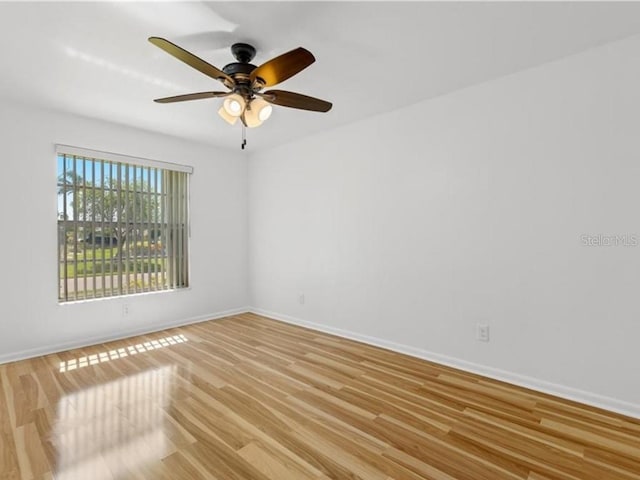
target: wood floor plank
<point>183,467</point>
<point>31,458</point>
<point>273,464</point>
<point>9,457</point>
<point>251,398</point>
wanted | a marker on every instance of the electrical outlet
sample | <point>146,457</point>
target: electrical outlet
<point>483,332</point>
<point>126,309</point>
<point>301,299</point>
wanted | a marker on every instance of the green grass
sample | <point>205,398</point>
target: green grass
<point>112,264</point>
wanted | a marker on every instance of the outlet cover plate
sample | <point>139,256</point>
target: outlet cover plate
<point>483,332</point>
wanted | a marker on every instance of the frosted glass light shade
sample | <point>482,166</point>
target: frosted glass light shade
<point>264,108</point>
<point>234,105</point>
<point>257,112</point>
<point>227,118</point>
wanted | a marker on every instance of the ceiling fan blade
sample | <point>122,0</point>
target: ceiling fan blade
<point>296,100</point>
<point>193,61</point>
<point>191,96</point>
<point>280,68</point>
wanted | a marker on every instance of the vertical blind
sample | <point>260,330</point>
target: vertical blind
<point>122,227</point>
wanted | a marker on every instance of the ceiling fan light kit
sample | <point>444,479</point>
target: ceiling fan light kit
<point>245,99</point>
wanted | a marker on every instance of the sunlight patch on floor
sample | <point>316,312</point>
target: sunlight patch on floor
<point>114,354</point>
<point>112,429</point>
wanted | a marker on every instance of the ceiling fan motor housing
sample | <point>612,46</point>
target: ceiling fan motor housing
<point>240,70</point>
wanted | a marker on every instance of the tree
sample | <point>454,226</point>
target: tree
<point>120,206</point>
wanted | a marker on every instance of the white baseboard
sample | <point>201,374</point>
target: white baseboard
<point>85,342</point>
<point>581,396</point>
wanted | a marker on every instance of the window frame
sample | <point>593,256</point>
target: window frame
<point>177,229</point>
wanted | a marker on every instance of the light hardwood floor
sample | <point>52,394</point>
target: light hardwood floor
<point>251,398</point>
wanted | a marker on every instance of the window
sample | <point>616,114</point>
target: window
<point>122,225</point>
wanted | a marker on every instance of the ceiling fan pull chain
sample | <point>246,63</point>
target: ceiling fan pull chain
<point>244,136</point>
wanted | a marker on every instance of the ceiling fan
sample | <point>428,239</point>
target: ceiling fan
<point>245,99</point>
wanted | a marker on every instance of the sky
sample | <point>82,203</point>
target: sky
<point>99,173</point>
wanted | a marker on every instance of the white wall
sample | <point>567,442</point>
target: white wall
<point>31,320</point>
<point>413,226</point>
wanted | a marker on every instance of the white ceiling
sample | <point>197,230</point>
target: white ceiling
<point>93,59</point>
